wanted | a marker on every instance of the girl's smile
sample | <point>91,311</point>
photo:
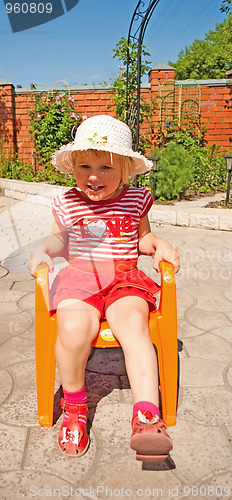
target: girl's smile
<point>96,177</point>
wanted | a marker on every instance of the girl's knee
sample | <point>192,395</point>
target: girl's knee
<point>136,319</point>
<point>78,331</point>
<point>129,317</point>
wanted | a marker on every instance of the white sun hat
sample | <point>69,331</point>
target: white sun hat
<point>103,133</point>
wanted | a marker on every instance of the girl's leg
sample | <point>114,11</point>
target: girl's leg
<point>128,320</point>
<point>78,325</point>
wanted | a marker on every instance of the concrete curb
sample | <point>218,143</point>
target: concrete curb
<point>176,215</point>
<point>199,217</point>
<point>22,190</point>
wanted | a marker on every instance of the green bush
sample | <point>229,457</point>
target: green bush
<point>53,118</point>
<point>12,167</point>
<point>201,169</point>
<point>208,165</point>
<point>16,169</point>
<point>175,172</point>
<point>189,134</point>
<point>56,177</point>
<point>209,168</point>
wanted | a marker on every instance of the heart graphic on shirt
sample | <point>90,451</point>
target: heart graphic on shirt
<point>97,228</point>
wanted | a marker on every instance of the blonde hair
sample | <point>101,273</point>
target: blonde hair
<point>124,162</point>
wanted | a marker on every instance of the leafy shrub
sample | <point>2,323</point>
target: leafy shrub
<point>208,165</point>
<point>190,133</point>
<point>175,172</point>
<point>12,167</point>
<point>52,120</point>
<point>209,168</point>
<point>47,175</point>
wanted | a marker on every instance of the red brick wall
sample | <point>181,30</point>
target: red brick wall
<point>216,111</point>
<point>7,118</point>
<point>25,146</point>
<point>216,106</point>
<point>87,103</point>
<point>156,78</point>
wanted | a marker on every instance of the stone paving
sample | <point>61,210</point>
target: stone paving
<point>200,464</point>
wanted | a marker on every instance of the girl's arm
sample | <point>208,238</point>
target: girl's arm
<point>159,249</point>
<point>50,247</point>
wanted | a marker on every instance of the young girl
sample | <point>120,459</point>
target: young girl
<point>104,225</point>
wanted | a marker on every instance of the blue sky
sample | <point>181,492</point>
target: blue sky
<point>77,47</point>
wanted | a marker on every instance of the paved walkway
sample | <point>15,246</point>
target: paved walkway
<point>201,461</point>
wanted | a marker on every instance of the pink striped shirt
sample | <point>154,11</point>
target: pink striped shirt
<point>102,230</point>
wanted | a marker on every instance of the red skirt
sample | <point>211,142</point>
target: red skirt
<point>102,283</point>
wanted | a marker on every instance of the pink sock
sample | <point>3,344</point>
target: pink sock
<point>146,406</point>
<point>78,397</point>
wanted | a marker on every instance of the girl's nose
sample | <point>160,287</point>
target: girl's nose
<point>93,176</point>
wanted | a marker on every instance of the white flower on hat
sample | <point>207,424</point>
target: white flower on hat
<point>97,139</point>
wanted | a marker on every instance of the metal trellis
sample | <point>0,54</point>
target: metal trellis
<point>140,19</point>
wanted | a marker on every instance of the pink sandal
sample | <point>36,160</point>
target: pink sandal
<point>73,438</point>
<point>149,437</point>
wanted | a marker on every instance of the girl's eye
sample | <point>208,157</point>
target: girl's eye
<point>105,167</point>
<point>84,166</point>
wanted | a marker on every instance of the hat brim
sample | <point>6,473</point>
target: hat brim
<point>62,159</point>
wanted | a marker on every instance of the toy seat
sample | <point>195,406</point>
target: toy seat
<point>163,331</point>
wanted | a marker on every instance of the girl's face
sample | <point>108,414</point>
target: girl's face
<point>96,177</point>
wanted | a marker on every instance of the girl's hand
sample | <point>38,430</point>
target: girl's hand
<point>165,251</point>
<point>39,257</point>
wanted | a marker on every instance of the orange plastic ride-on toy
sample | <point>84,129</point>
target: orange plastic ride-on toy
<point>163,331</point>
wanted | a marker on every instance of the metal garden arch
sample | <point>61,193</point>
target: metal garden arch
<point>140,19</point>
